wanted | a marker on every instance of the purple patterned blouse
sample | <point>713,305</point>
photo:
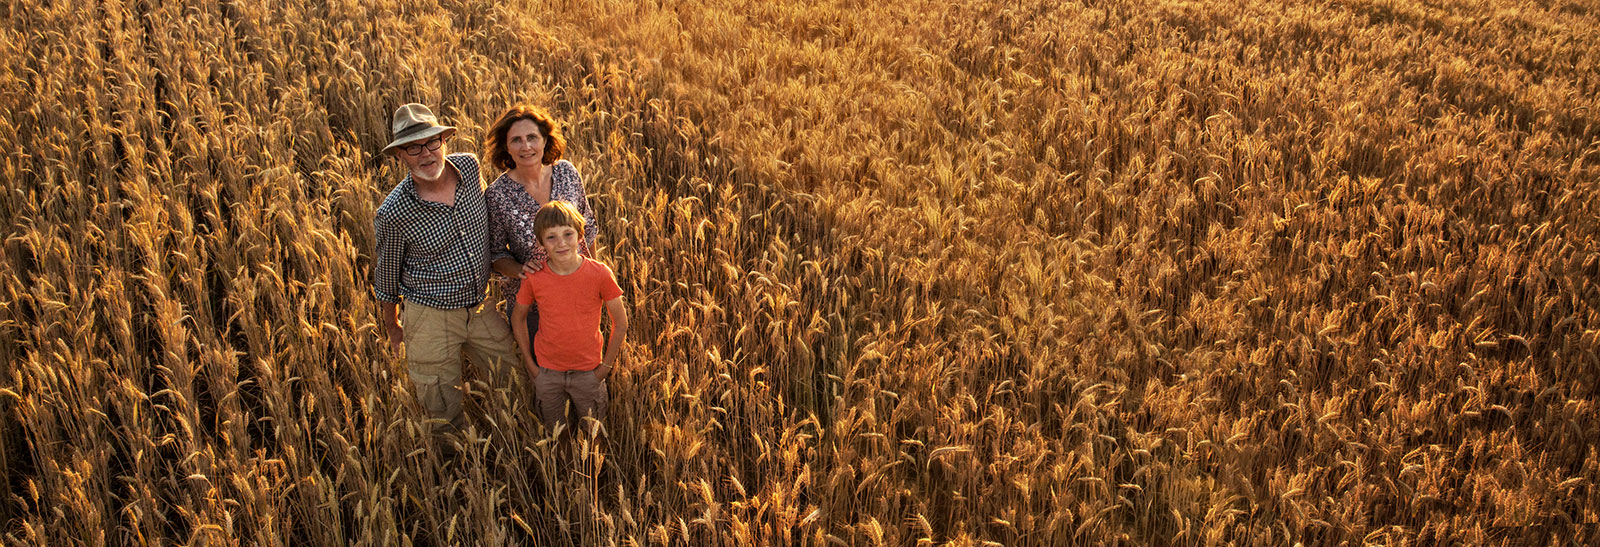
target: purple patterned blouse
<point>511,212</point>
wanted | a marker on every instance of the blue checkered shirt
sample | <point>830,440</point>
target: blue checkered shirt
<point>430,253</point>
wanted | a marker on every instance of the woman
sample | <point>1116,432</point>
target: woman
<point>527,144</point>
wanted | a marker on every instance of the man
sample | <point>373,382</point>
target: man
<point>432,253</point>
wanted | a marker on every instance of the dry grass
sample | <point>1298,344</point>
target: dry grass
<point>1030,273</point>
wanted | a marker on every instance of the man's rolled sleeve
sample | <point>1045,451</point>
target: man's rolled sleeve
<point>387,260</point>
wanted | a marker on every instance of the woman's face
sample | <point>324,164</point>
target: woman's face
<point>525,143</point>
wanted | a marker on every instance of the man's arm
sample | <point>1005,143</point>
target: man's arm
<point>389,319</point>
<point>388,257</point>
<point>619,331</point>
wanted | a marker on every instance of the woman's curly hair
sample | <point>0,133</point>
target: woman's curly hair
<point>494,143</point>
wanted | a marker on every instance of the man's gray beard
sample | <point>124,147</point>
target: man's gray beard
<point>438,171</point>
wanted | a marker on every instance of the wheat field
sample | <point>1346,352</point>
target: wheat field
<point>901,273</point>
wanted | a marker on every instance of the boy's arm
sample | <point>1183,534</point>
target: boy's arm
<point>519,331</point>
<point>619,331</point>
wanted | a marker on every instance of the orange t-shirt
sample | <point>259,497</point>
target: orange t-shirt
<point>569,314</point>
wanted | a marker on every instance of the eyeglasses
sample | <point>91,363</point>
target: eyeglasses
<point>431,144</point>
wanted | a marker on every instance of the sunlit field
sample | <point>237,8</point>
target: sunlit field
<point>900,273</point>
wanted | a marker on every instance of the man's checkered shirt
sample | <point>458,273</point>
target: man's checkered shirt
<point>430,253</point>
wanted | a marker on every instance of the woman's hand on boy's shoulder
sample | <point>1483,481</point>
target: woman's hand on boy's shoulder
<point>532,267</point>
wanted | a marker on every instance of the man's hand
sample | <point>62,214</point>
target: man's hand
<point>397,337</point>
<point>389,321</point>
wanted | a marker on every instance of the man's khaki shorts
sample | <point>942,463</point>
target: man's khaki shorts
<point>435,340</point>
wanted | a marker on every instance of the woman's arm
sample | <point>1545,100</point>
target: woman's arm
<point>580,198</point>
<point>499,238</point>
<point>509,267</point>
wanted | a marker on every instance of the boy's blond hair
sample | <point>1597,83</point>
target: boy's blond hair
<point>555,214</point>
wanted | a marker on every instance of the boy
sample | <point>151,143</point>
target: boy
<point>569,290</point>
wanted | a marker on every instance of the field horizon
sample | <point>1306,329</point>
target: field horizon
<point>1028,273</point>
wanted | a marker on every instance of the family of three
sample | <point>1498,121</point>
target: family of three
<point>441,234</point>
